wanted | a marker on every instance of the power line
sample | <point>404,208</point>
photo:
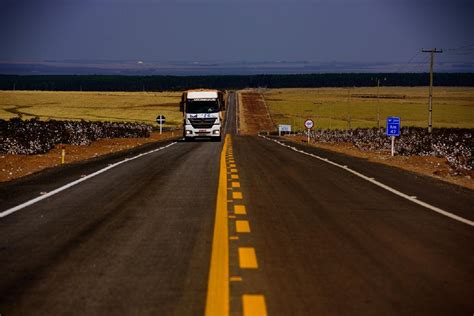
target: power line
<point>403,66</point>
<point>464,47</point>
<point>461,53</point>
<point>418,66</point>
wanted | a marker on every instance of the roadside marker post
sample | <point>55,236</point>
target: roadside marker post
<point>161,119</point>
<point>393,129</point>
<point>63,155</point>
<point>309,125</point>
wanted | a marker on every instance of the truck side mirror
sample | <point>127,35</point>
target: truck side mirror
<point>181,106</point>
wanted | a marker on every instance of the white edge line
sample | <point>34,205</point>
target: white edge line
<point>377,183</point>
<point>71,184</point>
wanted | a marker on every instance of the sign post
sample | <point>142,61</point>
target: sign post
<point>284,128</point>
<point>393,129</point>
<point>309,125</point>
<point>161,119</point>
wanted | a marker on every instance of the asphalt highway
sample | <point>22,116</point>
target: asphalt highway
<point>246,224</point>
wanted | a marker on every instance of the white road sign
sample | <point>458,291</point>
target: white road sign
<point>161,119</point>
<point>309,124</point>
<point>284,128</point>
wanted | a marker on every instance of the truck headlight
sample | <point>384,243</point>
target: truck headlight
<point>189,132</point>
<point>216,131</point>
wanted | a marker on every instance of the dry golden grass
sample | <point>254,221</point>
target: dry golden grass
<point>94,106</point>
<point>332,107</point>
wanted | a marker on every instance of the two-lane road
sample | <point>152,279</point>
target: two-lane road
<point>303,237</point>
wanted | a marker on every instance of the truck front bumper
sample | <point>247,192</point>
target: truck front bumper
<point>214,131</point>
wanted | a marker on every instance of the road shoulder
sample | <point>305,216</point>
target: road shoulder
<point>25,188</point>
<point>434,167</point>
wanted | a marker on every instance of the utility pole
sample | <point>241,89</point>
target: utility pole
<point>430,102</point>
<point>349,114</point>
<point>378,101</point>
<point>378,104</point>
<point>330,116</point>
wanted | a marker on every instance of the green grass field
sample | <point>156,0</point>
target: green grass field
<point>335,107</point>
<point>93,106</point>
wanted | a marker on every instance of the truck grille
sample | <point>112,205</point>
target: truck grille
<point>202,122</point>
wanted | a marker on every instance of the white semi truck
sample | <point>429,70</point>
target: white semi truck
<point>202,114</point>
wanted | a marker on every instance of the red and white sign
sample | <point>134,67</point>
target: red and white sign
<point>309,124</point>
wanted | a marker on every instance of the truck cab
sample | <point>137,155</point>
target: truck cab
<point>202,114</point>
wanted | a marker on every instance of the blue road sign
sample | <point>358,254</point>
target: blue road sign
<point>393,126</point>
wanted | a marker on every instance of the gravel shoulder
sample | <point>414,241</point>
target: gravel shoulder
<point>426,165</point>
<point>17,166</point>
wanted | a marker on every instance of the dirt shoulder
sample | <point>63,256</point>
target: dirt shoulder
<point>17,166</point>
<point>253,113</point>
<point>430,166</point>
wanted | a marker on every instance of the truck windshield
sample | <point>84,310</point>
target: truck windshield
<point>202,106</point>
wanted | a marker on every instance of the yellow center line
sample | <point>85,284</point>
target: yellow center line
<point>237,195</point>
<point>254,305</point>
<point>242,226</point>
<point>235,278</point>
<point>247,258</point>
<point>217,301</point>
<point>240,210</point>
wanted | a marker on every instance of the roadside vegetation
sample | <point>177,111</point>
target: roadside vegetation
<point>352,115</point>
<point>139,107</point>
<point>452,144</point>
<point>31,137</point>
<point>344,108</point>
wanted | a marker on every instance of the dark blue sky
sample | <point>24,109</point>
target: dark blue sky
<point>234,30</point>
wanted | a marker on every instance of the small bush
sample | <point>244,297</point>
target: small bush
<point>454,144</point>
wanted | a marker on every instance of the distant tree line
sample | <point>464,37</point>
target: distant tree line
<point>162,83</point>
